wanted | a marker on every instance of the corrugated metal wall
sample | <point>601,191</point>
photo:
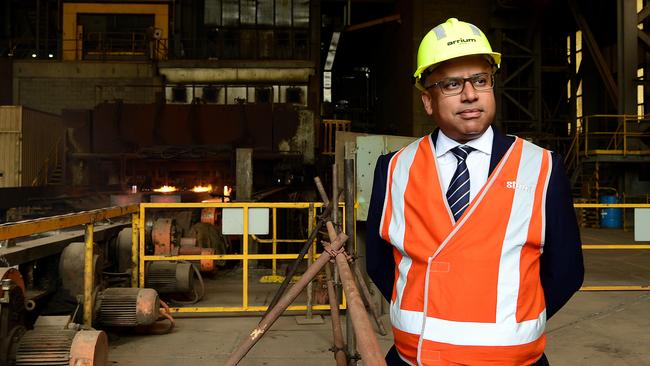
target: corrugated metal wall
<point>10,140</point>
<point>27,138</point>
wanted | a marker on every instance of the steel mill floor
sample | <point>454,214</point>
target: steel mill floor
<point>594,328</point>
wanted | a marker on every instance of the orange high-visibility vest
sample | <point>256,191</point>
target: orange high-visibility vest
<point>467,292</point>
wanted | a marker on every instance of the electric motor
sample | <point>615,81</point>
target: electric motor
<point>169,277</point>
<point>55,341</point>
<point>127,307</point>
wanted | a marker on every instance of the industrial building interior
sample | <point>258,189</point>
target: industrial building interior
<point>169,171</point>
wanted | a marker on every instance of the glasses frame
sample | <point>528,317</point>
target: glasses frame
<point>465,80</point>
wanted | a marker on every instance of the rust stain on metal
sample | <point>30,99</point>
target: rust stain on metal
<point>162,236</point>
<point>89,348</point>
<point>13,275</point>
<point>148,306</point>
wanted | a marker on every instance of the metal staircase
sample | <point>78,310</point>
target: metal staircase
<point>602,151</point>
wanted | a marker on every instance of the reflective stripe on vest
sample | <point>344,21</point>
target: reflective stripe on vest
<point>474,282</point>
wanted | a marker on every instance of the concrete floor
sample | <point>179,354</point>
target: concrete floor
<point>594,328</point>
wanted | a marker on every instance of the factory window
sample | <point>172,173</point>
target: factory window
<point>301,13</point>
<point>575,43</point>
<point>230,43</point>
<point>283,13</point>
<point>248,10</point>
<point>265,12</point>
<point>640,97</point>
<point>237,95</point>
<point>179,94</point>
<point>301,44</point>
<point>115,36</point>
<point>230,13</point>
<point>263,95</point>
<point>212,12</point>
<point>265,44</point>
<point>258,29</point>
<point>279,13</point>
<point>294,95</point>
<point>247,43</point>
<point>210,94</point>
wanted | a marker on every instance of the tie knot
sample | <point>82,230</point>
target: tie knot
<point>461,151</point>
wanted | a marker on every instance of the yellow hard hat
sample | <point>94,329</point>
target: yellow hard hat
<point>452,39</point>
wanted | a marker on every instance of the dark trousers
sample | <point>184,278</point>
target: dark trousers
<point>393,359</point>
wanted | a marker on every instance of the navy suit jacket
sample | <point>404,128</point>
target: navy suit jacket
<point>561,264</point>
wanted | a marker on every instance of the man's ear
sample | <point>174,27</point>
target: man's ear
<point>427,102</point>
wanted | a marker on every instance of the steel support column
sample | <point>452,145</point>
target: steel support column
<point>627,51</point>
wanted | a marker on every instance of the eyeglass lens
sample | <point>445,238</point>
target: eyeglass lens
<point>455,85</point>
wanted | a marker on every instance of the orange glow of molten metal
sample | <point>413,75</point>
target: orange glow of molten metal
<point>201,189</point>
<point>166,189</point>
<point>226,191</point>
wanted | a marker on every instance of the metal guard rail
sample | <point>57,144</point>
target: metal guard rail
<point>87,218</point>
<point>244,257</point>
<point>137,212</point>
<point>614,246</point>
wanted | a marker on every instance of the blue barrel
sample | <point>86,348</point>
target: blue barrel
<point>610,218</point>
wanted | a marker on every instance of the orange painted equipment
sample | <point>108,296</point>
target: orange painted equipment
<point>209,215</point>
<point>163,234</point>
<point>8,273</point>
<point>207,265</point>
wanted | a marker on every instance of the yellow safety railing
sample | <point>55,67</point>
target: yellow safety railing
<point>611,134</point>
<point>622,246</point>
<point>245,257</point>
<point>330,126</point>
<point>88,218</point>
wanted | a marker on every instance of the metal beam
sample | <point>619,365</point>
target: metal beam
<point>627,49</point>
<point>644,37</point>
<point>26,228</point>
<point>391,18</point>
<point>643,14</point>
<point>516,103</point>
<point>31,250</point>
<point>594,50</point>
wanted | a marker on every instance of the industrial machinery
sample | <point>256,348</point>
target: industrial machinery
<point>173,277</point>
<point>54,340</point>
<point>127,307</point>
<point>114,307</point>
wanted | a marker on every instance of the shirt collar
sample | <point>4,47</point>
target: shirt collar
<point>482,144</point>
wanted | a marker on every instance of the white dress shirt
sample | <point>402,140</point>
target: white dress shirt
<point>478,161</point>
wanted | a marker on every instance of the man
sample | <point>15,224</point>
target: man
<point>472,235</point>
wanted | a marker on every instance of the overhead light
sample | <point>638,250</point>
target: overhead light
<point>33,55</point>
<point>50,55</point>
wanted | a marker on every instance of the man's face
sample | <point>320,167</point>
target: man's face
<point>465,116</point>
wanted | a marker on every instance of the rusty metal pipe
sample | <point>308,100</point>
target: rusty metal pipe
<point>367,342</point>
<point>305,248</point>
<point>335,195</point>
<point>291,294</point>
<point>337,331</point>
<point>89,281</point>
<point>366,295</point>
<point>350,190</point>
<point>294,266</point>
<point>321,191</point>
<point>135,220</point>
<point>339,345</point>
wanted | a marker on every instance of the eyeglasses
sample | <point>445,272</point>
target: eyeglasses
<point>455,86</point>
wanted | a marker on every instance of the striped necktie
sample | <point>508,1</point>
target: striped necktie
<point>458,191</point>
